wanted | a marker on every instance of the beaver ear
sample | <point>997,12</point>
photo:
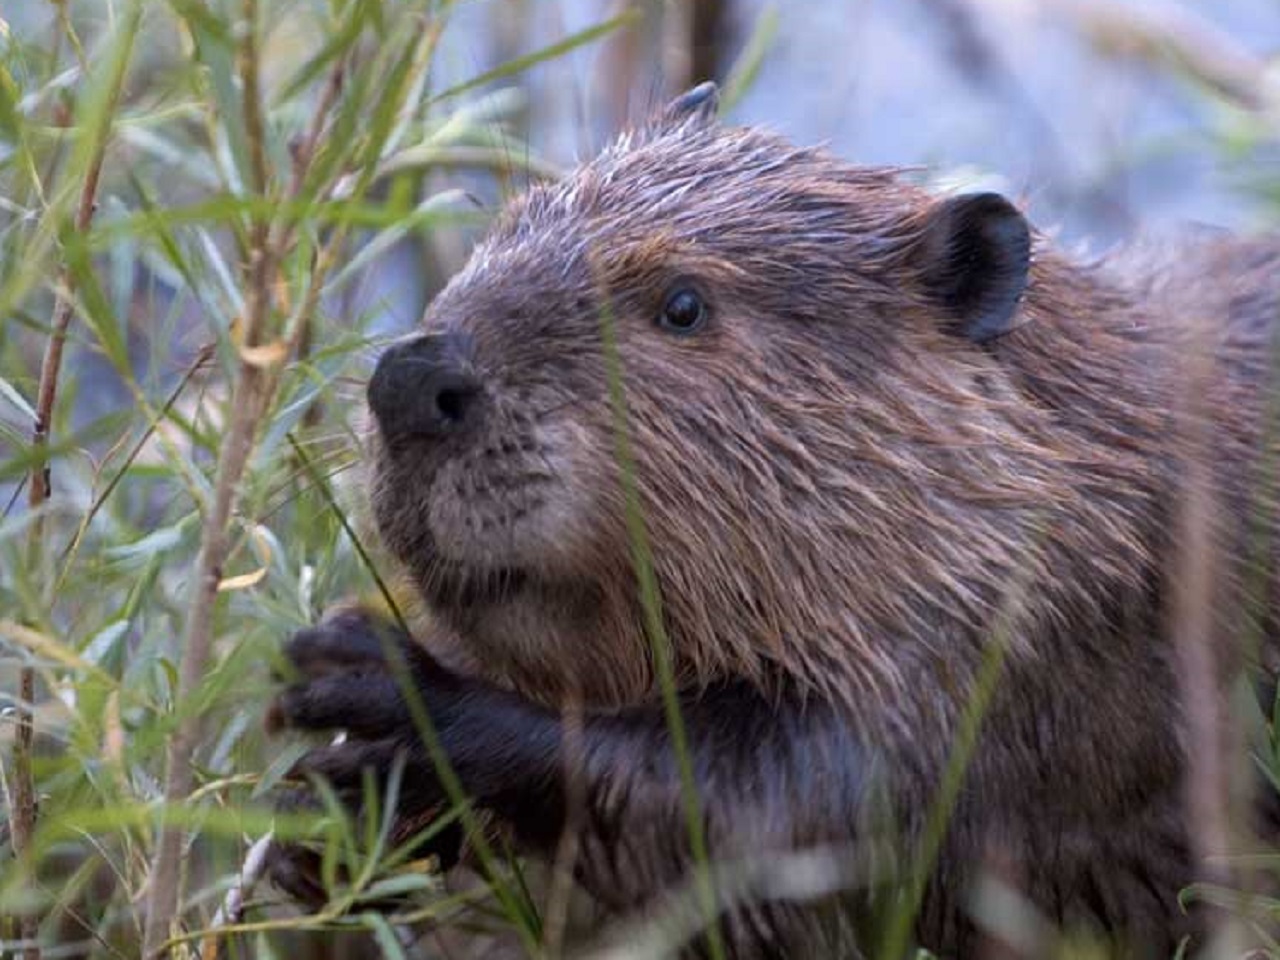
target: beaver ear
<point>697,106</point>
<point>974,255</point>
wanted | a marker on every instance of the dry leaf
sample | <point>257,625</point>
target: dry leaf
<point>266,355</point>
<point>113,732</point>
<point>243,580</point>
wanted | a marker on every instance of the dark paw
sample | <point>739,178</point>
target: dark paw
<point>350,673</point>
<point>348,639</point>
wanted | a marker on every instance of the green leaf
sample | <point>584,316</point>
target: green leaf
<point>747,67</point>
<point>386,938</point>
<point>10,394</point>
<point>279,768</point>
<point>144,548</point>
<point>96,309</point>
<point>519,65</point>
<point>104,643</point>
<point>338,46</point>
<point>215,48</point>
<point>412,881</point>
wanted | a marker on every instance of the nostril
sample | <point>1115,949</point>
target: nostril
<point>452,403</point>
<point>425,387</point>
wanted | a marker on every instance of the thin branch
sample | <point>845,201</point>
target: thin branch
<point>305,152</point>
<point>39,488</point>
<point>232,910</point>
<point>202,357</point>
<point>303,155</point>
<point>248,402</point>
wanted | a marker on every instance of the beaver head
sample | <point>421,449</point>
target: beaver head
<point>836,464</point>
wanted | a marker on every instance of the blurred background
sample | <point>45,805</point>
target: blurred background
<point>1106,118</point>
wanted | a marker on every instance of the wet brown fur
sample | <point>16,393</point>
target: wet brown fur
<point>844,498</point>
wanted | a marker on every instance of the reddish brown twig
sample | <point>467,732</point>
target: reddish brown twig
<point>39,489</point>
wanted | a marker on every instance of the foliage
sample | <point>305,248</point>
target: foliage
<point>198,189</point>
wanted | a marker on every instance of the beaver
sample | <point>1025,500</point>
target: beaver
<point>851,435</point>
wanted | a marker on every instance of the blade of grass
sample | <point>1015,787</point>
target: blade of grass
<point>655,629</point>
<point>747,67</point>
<point>550,52</point>
<point>963,747</point>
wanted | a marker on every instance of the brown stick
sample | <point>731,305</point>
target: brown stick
<point>24,799</point>
<point>232,910</point>
<point>247,404</point>
<point>39,489</point>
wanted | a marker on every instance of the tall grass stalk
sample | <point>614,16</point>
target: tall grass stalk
<point>655,629</point>
<point>933,834</point>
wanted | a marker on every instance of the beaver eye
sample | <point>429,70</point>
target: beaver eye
<point>684,312</point>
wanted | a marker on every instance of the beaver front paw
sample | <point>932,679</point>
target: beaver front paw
<point>350,673</point>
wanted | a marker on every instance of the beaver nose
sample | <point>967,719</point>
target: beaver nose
<point>425,387</point>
